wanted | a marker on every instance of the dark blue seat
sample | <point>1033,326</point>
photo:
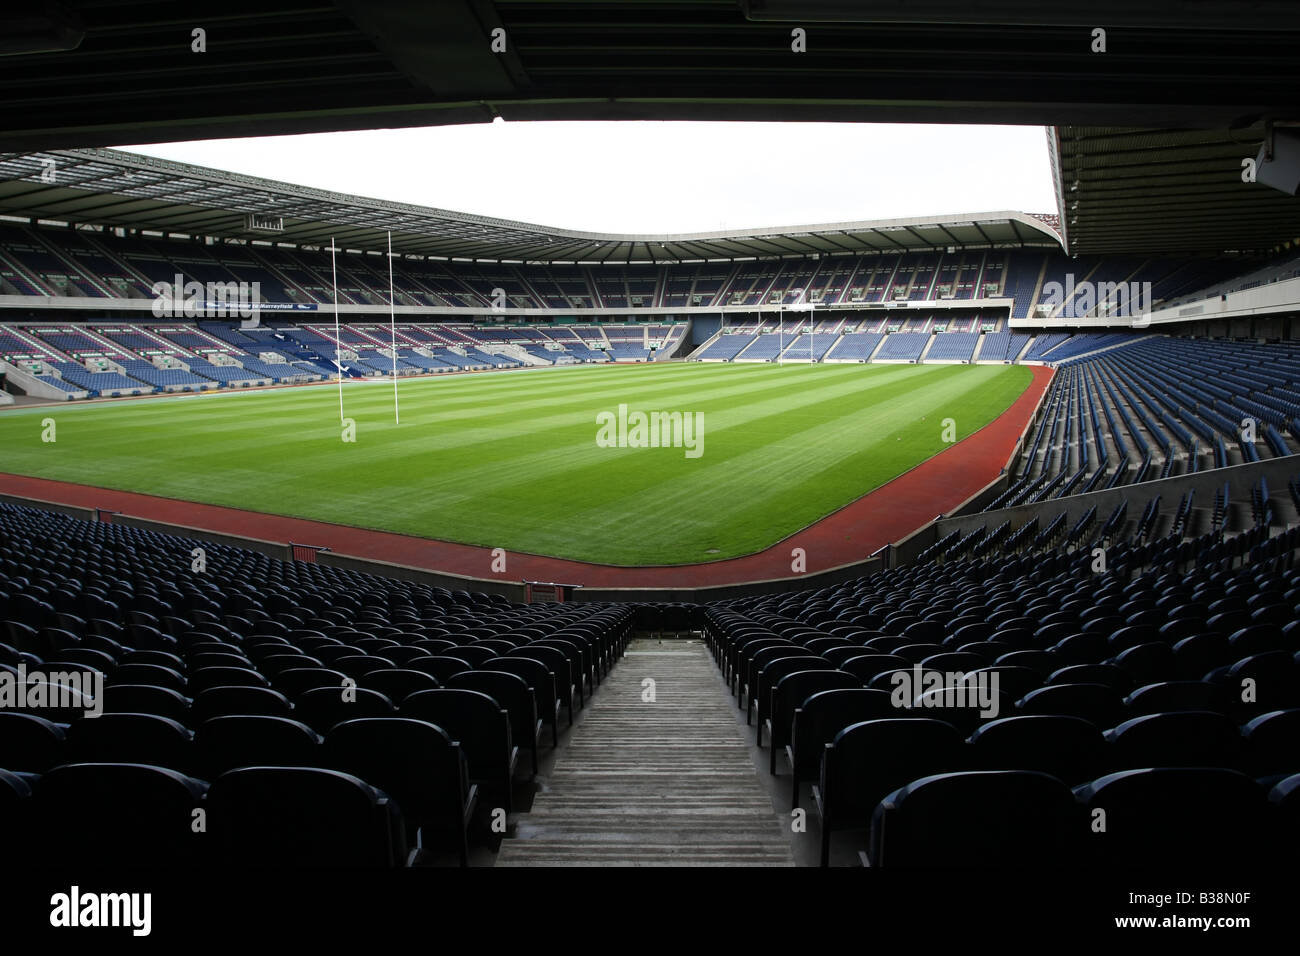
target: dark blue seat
<point>1068,748</point>
<point>1177,739</point>
<point>303,817</point>
<point>418,765</point>
<point>1095,703</point>
<point>1175,816</point>
<point>29,743</point>
<point>224,743</point>
<point>867,761</point>
<point>104,814</point>
<point>979,819</point>
<point>131,738</point>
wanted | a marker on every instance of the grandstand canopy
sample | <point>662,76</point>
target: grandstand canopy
<point>1147,191</point>
<point>1151,123</point>
<point>104,72</point>
<point>116,188</point>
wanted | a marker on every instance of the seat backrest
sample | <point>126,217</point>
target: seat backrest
<point>323,707</point>
<point>822,715</point>
<point>1099,673</point>
<point>794,688</point>
<point>1122,638</point>
<point>202,678</point>
<point>358,665</point>
<point>83,657</point>
<point>776,669</point>
<point>471,718</point>
<point>538,676</point>
<point>400,682</point>
<point>1096,703</point>
<point>1068,748</point>
<point>556,661</point>
<point>1257,639</point>
<point>223,743</point>
<point>510,691</point>
<point>978,819</point>
<point>497,645</point>
<point>1161,814</point>
<point>867,761</point>
<point>440,667</point>
<point>275,664</point>
<point>433,646</point>
<point>919,651</point>
<point>1011,680</point>
<point>1172,695</point>
<point>1039,661</point>
<point>90,814</point>
<point>1198,654</point>
<point>147,699</point>
<point>228,701</point>
<point>1272,742</point>
<point>30,744</point>
<point>1284,799</point>
<point>296,680</point>
<point>207,659</point>
<point>1276,677</point>
<point>867,667</point>
<point>1177,739</point>
<point>413,761</point>
<point>475,654</point>
<point>1147,663</point>
<point>302,817</point>
<point>820,645</point>
<point>131,738</point>
<point>1081,649</point>
<point>953,662</point>
<point>754,662</point>
<point>147,674</point>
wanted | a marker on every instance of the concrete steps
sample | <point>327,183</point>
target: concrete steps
<point>663,783</point>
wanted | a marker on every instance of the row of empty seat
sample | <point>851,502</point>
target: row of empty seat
<point>332,679</point>
<point>1055,692</point>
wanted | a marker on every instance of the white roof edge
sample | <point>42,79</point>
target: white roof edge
<point>864,225</point>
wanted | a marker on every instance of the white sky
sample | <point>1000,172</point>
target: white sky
<point>662,177</point>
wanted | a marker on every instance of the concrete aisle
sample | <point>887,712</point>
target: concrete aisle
<point>663,783</point>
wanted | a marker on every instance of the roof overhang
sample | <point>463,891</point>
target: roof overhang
<point>1147,191</point>
<point>111,187</point>
<point>107,72</point>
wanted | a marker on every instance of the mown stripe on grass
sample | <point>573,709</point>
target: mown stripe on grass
<point>510,460</point>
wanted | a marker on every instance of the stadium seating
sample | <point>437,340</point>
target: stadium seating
<point>1091,696</point>
<point>902,346</point>
<point>232,705</point>
<point>953,347</point>
<point>1118,691</point>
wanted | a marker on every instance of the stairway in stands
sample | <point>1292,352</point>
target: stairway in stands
<point>663,783</point>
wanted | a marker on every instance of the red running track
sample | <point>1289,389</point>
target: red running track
<point>883,516</point>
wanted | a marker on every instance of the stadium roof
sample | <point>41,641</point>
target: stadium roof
<point>116,188</point>
<point>1149,191</point>
<point>77,73</point>
<point>104,72</point>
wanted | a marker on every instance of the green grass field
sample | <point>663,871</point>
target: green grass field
<point>511,460</point>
